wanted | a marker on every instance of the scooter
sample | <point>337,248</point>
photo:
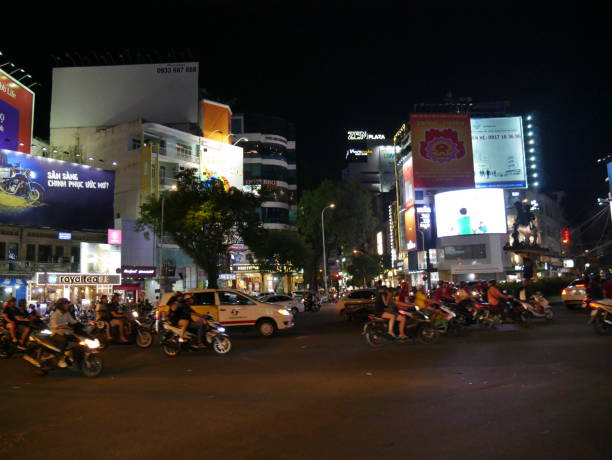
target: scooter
<point>601,316</point>
<point>7,347</point>
<point>138,332</point>
<point>214,335</point>
<point>418,326</point>
<point>538,307</point>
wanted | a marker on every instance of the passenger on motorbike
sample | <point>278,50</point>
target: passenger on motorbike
<point>61,325</point>
<point>463,300</point>
<point>118,317</point>
<point>103,314</point>
<point>17,321</point>
<point>392,314</point>
<point>198,324</point>
<point>496,298</point>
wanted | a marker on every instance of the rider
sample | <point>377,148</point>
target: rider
<point>381,297</point>
<point>391,313</point>
<point>179,314</point>
<point>463,299</point>
<point>16,321</point>
<point>198,323</point>
<point>496,298</point>
<point>103,314</point>
<point>61,325</point>
<point>118,317</point>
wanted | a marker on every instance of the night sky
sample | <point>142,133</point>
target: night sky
<point>329,70</point>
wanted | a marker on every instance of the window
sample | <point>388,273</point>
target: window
<point>231,298</point>
<point>13,251</point>
<point>468,251</point>
<point>31,252</point>
<point>59,253</point>
<point>135,143</point>
<point>362,295</point>
<point>2,250</point>
<point>204,298</point>
<point>283,298</point>
<point>183,149</point>
<point>44,252</point>
<point>75,254</point>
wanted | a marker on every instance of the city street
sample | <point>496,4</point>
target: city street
<point>320,391</point>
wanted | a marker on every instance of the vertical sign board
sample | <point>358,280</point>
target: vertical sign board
<point>499,152</point>
<point>442,150</point>
<point>410,226</point>
<point>408,183</point>
<point>16,113</point>
<point>610,177</point>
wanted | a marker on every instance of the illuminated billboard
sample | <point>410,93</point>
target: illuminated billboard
<point>408,183</point>
<point>222,161</point>
<point>470,212</point>
<point>43,192</point>
<point>410,229</point>
<point>499,152</point>
<point>100,258</point>
<point>442,150</point>
<point>16,113</point>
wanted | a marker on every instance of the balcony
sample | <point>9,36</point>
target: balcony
<point>172,153</point>
<point>26,267</point>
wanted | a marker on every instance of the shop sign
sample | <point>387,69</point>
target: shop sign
<point>363,135</point>
<point>433,256</point>
<point>227,276</point>
<point>76,278</point>
<point>64,236</point>
<point>134,272</point>
<point>114,236</point>
<point>245,268</point>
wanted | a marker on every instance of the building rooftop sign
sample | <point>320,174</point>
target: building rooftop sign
<point>363,136</point>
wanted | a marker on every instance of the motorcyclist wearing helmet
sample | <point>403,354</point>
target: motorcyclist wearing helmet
<point>118,317</point>
<point>61,325</point>
<point>17,321</point>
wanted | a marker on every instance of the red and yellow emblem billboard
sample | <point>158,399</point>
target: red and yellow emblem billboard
<point>442,150</point>
<point>16,113</point>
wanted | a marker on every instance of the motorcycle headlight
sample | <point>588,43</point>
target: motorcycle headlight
<point>95,343</point>
<point>283,312</point>
<point>221,329</point>
<point>32,175</point>
<point>135,314</point>
<point>46,332</point>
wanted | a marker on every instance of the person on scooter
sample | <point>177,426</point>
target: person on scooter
<point>178,315</point>
<point>16,322</point>
<point>392,314</point>
<point>118,317</point>
<point>198,324</point>
<point>61,325</point>
<point>103,314</point>
<point>496,298</point>
<point>380,299</point>
<point>463,300</point>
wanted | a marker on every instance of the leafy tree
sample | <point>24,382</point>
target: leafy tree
<point>364,267</point>
<point>203,219</point>
<point>348,225</point>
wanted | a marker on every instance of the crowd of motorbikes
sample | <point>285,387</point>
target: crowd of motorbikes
<point>446,317</point>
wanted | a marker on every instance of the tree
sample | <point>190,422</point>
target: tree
<point>203,219</point>
<point>364,267</point>
<point>281,251</point>
<point>348,225</point>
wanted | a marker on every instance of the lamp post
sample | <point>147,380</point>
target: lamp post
<point>161,241</point>
<point>426,258</point>
<point>241,139</point>
<point>332,206</point>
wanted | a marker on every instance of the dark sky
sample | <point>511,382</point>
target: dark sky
<point>329,70</point>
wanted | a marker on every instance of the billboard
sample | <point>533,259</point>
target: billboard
<point>499,152</point>
<point>610,177</point>
<point>442,150</point>
<point>408,183</point>
<point>470,212</point>
<point>100,258</point>
<point>16,114</point>
<point>410,229</point>
<point>111,95</point>
<point>222,161</point>
<point>43,192</point>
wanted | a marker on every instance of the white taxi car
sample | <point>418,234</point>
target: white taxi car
<point>233,308</point>
<point>574,293</point>
<point>292,304</point>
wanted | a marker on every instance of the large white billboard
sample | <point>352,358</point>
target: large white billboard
<point>100,258</point>
<point>111,95</point>
<point>499,152</point>
<point>470,212</point>
<point>222,161</point>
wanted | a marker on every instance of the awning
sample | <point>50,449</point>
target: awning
<point>127,287</point>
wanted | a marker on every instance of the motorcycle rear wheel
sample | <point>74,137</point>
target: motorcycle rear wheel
<point>374,337</point>
<point>221,345</point>
<point>427,335</point>
<point>171,347</point>
<point>6,350</point>
<point>92,366</point>
<point>600,326</point>
<point>548,314</point>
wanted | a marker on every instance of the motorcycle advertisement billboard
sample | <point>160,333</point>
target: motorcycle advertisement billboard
<point>442,150</point>
<point>16,113</point>
<point>470,212</point>
<point>43,192</point>
<point>499,152</point>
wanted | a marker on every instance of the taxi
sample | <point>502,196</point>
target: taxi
<point>234,308</point>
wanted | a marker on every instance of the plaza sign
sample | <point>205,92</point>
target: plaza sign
<point>363,136</point>
<point>76,278</point>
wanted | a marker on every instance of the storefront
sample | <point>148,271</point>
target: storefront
<point>13,287</point>
<point>81,289</point>
<point>133,286</point>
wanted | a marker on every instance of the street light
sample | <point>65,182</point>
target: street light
<point>161,240</point>
<point>332,206</point>
<point>241,139</point>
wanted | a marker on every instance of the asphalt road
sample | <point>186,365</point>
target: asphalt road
<point>319,391</point>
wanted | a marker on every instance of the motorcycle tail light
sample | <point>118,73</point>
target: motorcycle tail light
<point>563,292</point>
<point>593,305</point>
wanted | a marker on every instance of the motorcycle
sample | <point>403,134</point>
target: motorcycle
<point>601,316</point>
<point>418,326</point>
<point>82,353</point>
<point>312,304</point>
<point>19,183</point>
<point>7,347</point>
<point>136,332</point>
<point>447,322</point>
<point>214,334</point>
<point>538,307</point>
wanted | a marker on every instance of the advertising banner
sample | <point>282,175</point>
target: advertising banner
<point>408,183</point>
<point>222,161</point>
<point>499,152</point>
<point>470,212</point>
<point>410,229</point>
<point>610,177</point>
<point>442,150</point>
<point>100,258</point>
<point>16,114</point>
<point>43,192</point>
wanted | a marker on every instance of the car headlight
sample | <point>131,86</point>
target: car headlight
<point>95,343</point>
<point>283,312</point>
<point>135,314</point>
<point>221,329</point>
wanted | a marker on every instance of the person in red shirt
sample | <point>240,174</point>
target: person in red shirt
<point>404,293</point>
<point>495,297</point>
<point>607,286</point>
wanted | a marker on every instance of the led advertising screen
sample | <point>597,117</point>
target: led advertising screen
<point>470,212</point>
<point>222,161</point>
<point>408,184</point>
<point>43,192</point>
<point>16,113</point>
<point>499,152</point>
<point>100,258</point>
<point>442,150</point>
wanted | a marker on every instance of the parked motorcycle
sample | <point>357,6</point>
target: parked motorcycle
<point>601,316</point>
<point>213,334</point>
<point>82,353</point>
<point>136,332</point>
<point>418,326</point>
<point>19,183</point>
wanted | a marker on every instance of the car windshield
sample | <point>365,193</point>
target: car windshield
<point>578,283</point>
